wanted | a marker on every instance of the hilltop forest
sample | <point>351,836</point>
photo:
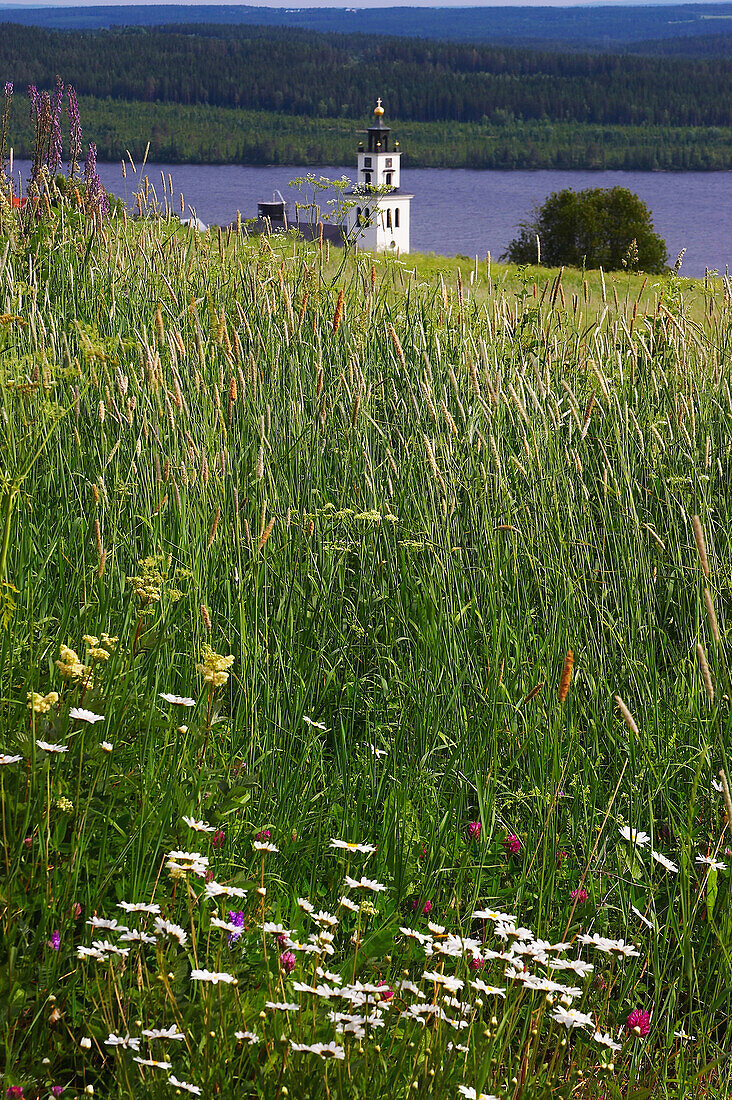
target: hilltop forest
<point>493,106</point>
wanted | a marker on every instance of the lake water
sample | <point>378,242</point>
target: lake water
<point>462,211</point>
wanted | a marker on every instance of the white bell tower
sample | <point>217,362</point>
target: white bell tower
<point>378,220</point>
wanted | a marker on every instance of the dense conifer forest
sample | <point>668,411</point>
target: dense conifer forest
<point>265,94</point>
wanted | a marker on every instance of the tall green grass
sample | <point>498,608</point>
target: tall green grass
<point>398,510</point>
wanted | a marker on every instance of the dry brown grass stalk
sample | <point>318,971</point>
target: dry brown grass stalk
<point>566,677</point>
<point>711,615</point>
<point>701,544</point>
<point>337,316</point>
<point>627,716</point>
<point>705,671</point>
<point>265,534</point>
<point>214,529</point>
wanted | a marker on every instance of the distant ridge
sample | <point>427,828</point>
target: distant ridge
<point>599,27</point>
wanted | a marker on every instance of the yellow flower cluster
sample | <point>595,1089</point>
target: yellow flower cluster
<point>41,704</point>
<point>65,805</point>
<point>99,652</point>
<point>214,667</point>
<point>70,667</point>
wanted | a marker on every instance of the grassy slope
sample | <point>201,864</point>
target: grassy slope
<point>397,519</point>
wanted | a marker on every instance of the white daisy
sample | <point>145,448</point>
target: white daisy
<point>179,700</point>
<point>450,983</point>
<point>108,948</point>
<point>579,966</point>
<point>265,846</point>
<point>127,1042</point>
<point>315,725</point>
<point>667,863</point>
<point>152,1062</point>
<point>216,889</point>
<point>112,925</point>
<point>184,1085</point>
<point>494,914</point>
<point>80,715</point>
<point>364,884</point>
<point>606,1041</point>
<point>715,864</point>
<point>138,907</point>
<point>471,1094</point>
<point>281,1006</point>
<point>199,826</point>
<point>346,903</point>
<point>641,917</point>
<point>352,846</point>
<point>324,1050</point>
<point>212,976</point>
<point>305,905</point>
<point>89,953</point>
<point>634,836</point>
<point>51,748</point>
<point>136,936</point>
<point>106,746</point>
<point>246,1037</point>
<point>5,759</point>
<point>683,1036</point>
<point>167,928</point>
<point>165,1033</point>
<point>226,926</point>
<point>572,1017</point>
<point>482,987</point>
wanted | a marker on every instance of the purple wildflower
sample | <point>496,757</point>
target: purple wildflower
<point>287,961</point>
<point>15,1092</point>
<point>96,196</point>
<point>218,838</point>
<point>235,917</point>
<point>474,830</point>
<point>265,834</point>
<point>639,1021</point>
<point>55,144</point>
<point>579,895</point>
<point>477,962</point>
<point>4,121</point>
<point>512,845</point>
<point>56,1090</point>
<point>55,940</point>
<point>423,906</point>
<point>74,131</point>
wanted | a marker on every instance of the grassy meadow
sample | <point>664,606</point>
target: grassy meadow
<point>410,546</point>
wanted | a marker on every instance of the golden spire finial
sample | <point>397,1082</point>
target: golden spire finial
<point>378,109</point>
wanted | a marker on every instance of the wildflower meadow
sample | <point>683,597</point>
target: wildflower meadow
<point>365,681</point>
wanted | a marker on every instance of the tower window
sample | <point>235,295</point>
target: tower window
<point>367,162</point>
<point>367,178</point>
<point>396,217</point>
<point>387,179</point>
<point>388,219</point>
<point>367,214</point>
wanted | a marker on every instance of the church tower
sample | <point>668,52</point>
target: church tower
<point>378,220</point>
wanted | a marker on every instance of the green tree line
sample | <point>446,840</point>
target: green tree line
<point>221,135</point>
<point>336,76</point>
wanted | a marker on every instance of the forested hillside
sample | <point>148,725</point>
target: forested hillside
<point>602,26</point>
<point>260,95</point>
<point>304,73</point>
